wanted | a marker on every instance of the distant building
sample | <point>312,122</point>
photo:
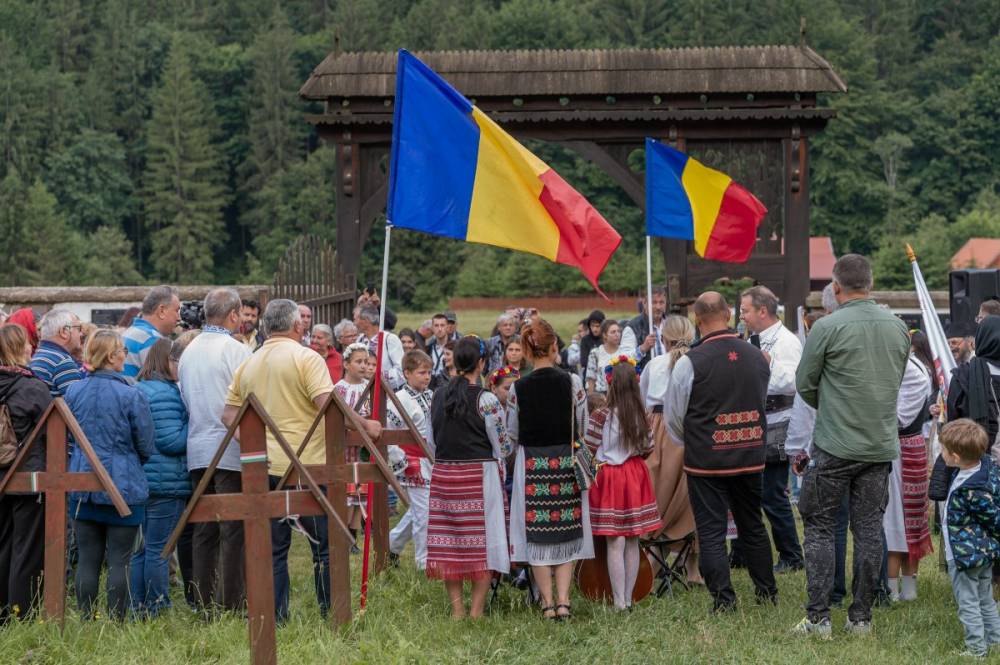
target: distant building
<point>821,260</point>
<point>977,253</point>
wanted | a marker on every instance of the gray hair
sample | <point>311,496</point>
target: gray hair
<point>219,303</point>
<point>504,318</point>
<point>158,295</point>
<point>280,316</point>
<point>369,314</point>
<point>323,328</point>
<point>761,296</point>
<point>829,299</point>
<point>427,324</point>
<point>853,273</point>
<point>343,327</point>
<point>54,321</point>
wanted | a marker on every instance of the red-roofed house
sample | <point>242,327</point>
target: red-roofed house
<point>821,260</point>
<point>977,253</point>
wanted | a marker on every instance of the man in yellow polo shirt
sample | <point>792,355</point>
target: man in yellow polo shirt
<point>292,383</point>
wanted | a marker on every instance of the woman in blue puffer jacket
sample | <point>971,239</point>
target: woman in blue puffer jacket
<point>167,474</point>
<point>115,418</point>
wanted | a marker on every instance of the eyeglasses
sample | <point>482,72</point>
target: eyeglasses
<point>76,326</point>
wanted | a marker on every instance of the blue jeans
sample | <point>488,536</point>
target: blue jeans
<point>774,501</point>
<point>281,541</point>
<point>149,578</point>
<point>977,610</point>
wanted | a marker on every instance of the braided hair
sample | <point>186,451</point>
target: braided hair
<point>468,353</point>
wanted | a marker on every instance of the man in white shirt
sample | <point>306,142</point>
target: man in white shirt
<point>651,344</point>
<point>205,372</point>
<point>783,350</point>
<point>367,321</point>
<point>435,347</point>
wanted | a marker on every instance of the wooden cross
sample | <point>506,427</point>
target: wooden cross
<point>55,482</point>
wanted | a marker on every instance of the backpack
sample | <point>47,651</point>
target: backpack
<point>8,438</point>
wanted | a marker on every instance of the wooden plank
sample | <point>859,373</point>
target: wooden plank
<point>54,589</point>
<point>48,481</point>
<point>340,545</point>
<point>83,444</point>
<point>231,507</point>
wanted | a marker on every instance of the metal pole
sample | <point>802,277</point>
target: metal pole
<point>385,274</point>
<point>649,290</point>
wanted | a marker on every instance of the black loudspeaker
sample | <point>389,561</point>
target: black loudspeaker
<point>967,289</point>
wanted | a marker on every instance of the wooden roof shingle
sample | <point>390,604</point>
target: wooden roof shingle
<point>731,69</point>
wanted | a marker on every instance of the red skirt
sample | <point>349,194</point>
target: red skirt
<point>622,502</point>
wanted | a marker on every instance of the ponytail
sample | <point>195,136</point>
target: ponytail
<point>466,356</point>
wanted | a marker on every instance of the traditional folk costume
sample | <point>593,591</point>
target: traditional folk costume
<point>417,476</point>
<point>550,515</point>
<point>467,524</point>
<point>351,394</point>
<point>622,502</point>
<point>666,461</point>
<point>905,522</point>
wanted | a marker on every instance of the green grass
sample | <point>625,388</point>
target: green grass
<point>481,321</point>
<point>407,622</point>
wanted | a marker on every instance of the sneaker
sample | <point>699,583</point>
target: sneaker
<point>822,629</point>
<point>787,567</point>
<point>393,559</point>
<point>973,654</point>
<point>858,627</point>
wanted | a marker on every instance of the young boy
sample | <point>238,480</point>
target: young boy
<point>971,532</point>
<point>415,399</point>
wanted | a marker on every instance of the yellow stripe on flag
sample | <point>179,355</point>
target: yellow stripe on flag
<point>705,188</point>
<point>505,210</point>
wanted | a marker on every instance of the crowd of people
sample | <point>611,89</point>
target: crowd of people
<point>696,429</point>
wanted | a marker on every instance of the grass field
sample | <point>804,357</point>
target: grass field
<point>407,622</point>
<point>481,321</point>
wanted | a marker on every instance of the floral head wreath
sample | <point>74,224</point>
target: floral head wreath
<point>618,360</point>
<point>507,371</point>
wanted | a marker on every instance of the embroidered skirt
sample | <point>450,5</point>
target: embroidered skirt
<point>573,516</point>
<point>622,502</point>
<point>467,523</point>
<point>907,528</point>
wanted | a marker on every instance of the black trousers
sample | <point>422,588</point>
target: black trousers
<point>100,543</point>
<point>22,554</point>
<point>217,550</point>
<point>711,498</point>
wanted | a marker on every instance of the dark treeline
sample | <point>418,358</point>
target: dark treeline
<point>164,139</point>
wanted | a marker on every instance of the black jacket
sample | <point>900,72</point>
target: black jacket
<point>26,397</point>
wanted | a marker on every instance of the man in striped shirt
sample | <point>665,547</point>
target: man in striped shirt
<point>159,316</point>
<point>61,333</point>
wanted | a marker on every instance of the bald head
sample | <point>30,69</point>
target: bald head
<point>711,312</point>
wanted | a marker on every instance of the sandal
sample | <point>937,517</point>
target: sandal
<point>550,608</point>
<point>563,617</point>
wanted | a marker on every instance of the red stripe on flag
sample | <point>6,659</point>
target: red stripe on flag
<point>735,232</point>
<point>586,240</point>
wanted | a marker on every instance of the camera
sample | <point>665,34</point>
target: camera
<point>192,314</point>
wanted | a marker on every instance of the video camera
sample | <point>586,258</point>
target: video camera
<point>192,314</point>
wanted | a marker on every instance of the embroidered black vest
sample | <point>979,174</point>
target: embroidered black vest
<point>462,436</point>
<point>725,425</point>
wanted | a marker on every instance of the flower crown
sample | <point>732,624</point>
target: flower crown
<point>498,375</point>
<point>617,360</point>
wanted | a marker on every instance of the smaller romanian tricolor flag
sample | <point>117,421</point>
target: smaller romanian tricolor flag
<point>454,172</point>
<point>687,200</point>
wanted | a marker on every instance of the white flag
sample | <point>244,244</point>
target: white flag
<point>944,362</point>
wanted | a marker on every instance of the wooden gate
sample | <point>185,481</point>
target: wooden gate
<point>310,275</point>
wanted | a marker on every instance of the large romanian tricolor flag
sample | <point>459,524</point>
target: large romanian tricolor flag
<point>687,200</point>
<point>454,172</point>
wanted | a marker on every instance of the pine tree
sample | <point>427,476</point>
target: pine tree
<point>183,194</point>
<point>276,128</point>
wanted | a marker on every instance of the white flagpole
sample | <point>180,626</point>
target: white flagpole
<point>943,360</point>
<point>649,292</point>
<point>385,275</point>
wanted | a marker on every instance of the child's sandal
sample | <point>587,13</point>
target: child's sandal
<point>563,617</point>
<point>552,609</point>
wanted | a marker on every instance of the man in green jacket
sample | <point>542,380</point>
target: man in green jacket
<point>851,369</point>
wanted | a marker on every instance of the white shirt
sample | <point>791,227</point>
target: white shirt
<point>392,358</point>
<point>630,345</point>
<point>607,439</point>
<point>675,404</point>
<point>206,369</point>
<point>598,360</point>
<point>801,424</point>
<point>960,477</point>
<point>785,350</point>
<point>654,380</point>
<point>913,392</point>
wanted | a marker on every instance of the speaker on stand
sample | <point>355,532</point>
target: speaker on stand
<point>967,289</point>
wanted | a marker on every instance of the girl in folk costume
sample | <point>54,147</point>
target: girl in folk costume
<point>601,355</point>
<point>514,355</point>
<point>550,514</point>
<point>466,530</point>
<point>907,533</point>
<point>666,462</point>
<point>500,381</point>
<point>351,388</point>
<point>622,504</point>
<point>415,399</point>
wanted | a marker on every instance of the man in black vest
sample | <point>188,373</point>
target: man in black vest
<point>715,408</point>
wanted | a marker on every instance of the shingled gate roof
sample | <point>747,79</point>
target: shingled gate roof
<point>738,69</point>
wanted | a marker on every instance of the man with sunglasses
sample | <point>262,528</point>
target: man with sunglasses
<point>62,336</point>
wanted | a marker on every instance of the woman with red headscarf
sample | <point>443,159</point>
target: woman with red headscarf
<point>25,318</point>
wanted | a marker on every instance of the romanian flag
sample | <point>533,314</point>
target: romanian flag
<point>454,172</point>
<point>687,200</point>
